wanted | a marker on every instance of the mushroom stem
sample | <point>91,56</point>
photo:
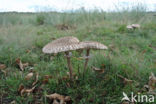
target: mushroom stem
<point>69,65</point>
<point>86,61</point>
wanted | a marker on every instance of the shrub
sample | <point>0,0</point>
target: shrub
<point>40,19</point>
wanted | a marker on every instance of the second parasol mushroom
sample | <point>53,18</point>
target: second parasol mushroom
<point>64,44</point>
<point>88,45</point>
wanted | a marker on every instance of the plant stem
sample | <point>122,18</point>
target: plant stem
<point>69,65</point>
<point>86,61</point>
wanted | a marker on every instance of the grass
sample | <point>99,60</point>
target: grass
<point>131,54</point>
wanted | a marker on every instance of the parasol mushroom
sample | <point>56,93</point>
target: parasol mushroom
<point>64,44</point>
<point>90,45</point>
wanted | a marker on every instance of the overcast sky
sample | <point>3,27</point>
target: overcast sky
<point>66,5</point>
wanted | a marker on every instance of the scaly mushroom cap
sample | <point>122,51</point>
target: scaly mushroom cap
<point>61,45</point>
<point>92,45</point>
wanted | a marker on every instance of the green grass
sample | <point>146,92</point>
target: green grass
<point>131,54</point>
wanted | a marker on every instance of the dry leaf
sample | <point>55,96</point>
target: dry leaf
<point>21,87</point>
<point>125,80</point>
<point>152,82</point>
<point>2,66</point>
<point>28,91</point>
<point>28,51</point>
<point>29,76</point>
<point>98,70</point>
<point>56,96</point>
<point>47,76</point>
<point>36,80</point>
<point>46,79</point>
<point>19,62</point>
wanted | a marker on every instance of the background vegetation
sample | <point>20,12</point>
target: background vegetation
<point>131,54</point>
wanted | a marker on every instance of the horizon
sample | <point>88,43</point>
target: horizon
<point>70,5</point>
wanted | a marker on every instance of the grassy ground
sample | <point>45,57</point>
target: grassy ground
<point>131,54</point>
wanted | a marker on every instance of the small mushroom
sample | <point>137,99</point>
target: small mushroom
<point>129,27</point>
<point>64,44</point>
<point>135,26</point>
<point>88,45</point>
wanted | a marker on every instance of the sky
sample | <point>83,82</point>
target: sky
<point>68,5</point>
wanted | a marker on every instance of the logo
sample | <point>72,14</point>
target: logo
<point>138,98</point>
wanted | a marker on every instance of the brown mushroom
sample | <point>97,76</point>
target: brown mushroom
<point>64,44</point>
<point>88,45</point>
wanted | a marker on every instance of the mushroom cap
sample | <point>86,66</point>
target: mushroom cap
<point>92,45</point>
<point>63,44</point>
<point>129,27</point>
<point>135,25</point>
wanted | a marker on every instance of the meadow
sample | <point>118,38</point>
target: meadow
<point>127,64</point>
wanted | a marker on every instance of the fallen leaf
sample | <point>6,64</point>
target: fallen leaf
<point>47,76</point>
<point>144,51</point>
<point>2,66</point>
<point>56,96</point>
<point>19,62</point>
<point>28,51</point>
<point>28,91</point>
<point>21,87</point>
<point>125,80</point>
<point>98,70</point>
<point>29,76</point>
<point>103,65</point>
<point>46,79</point>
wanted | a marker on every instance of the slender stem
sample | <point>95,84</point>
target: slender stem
<point>69,65</point>
<point>80,52</point>
<point>86,61</point>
